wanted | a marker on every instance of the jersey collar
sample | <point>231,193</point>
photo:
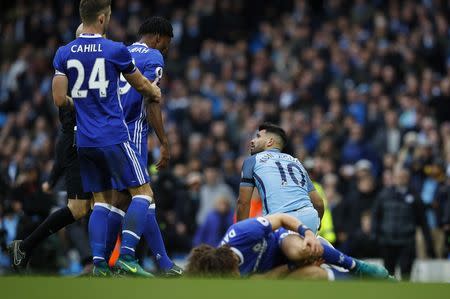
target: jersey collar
<point>239,254</point>
<point>90,35</point>
<point>140,44</point>
<point>273,150</point>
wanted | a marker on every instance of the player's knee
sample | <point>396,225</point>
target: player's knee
<point>121,200</point>
<point>141,190</point>
<point>297,251</point>
<point>79,208</point>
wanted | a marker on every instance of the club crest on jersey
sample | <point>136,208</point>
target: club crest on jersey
<point>265,158</point>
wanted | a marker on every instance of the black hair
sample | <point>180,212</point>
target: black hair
<point>156,25</point>
<point>277,130</point>
<point>90,9</point>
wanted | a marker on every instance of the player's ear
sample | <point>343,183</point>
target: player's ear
<point>101,19</point>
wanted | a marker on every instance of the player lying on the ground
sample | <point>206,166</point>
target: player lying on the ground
<point>261,244</point>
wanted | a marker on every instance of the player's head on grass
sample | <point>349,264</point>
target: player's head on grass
<point>269,136</point>
<point>95,14</point>
<point>157,33</point>
<point>208,261</point>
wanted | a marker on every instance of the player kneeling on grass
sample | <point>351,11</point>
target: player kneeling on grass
<point>259,245</point>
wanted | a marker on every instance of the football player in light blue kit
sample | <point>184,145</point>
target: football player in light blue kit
<point>261,245</point>
<point>281,180</point>
<point>88,69</point>
<point>155,36</point>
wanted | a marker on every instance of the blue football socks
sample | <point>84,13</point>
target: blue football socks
<point>97,231</point>
<point>335,257</point>
<point>134,223</point>
<point>154,240</point>
<point>115,218</point>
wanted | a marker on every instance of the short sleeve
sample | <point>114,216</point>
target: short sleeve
<point>247,231</point>
<point>58,63</point>
<point>255,228</point>
<point>247,179</point>
<point>309,184</point>
<point>122,60</point>
<point>154,67</point>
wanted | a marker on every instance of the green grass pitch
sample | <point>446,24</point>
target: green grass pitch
<point>84,288</point>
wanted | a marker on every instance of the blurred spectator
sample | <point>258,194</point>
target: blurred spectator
<point>213,189</point>
<point>396,214</point>
<point>216,224</point>
<point>347,80</point>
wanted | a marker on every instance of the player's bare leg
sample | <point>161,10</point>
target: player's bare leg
<point>295,249</point>
<point>310,272</point>
<point>79,208</point>
<point>276,273</point>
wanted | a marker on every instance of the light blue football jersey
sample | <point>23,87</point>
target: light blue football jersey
<point>282,181</point>
<point>151,64</point>
<point>92,65</point>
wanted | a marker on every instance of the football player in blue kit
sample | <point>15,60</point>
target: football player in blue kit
<point>260,245</point>
<point>281,180</point>
<point>155,36</point>
<point>88,69</point>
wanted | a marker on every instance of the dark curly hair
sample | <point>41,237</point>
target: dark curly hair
<point>207,261</point>
<point>156,25</point>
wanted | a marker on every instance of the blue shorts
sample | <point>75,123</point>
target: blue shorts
<point>140,140</point>
<point>117,167</point>
<point>308,216</point>
<point>143,151</point>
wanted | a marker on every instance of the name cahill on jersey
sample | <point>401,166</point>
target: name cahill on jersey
<point>86,48</point>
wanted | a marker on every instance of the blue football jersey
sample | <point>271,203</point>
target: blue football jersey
<point>93,65</point>
<point>255,244</point>
<point>281,180</point>
<point>151,63</point>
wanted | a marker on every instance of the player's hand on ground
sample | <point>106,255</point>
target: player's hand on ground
<point>46,187</point>
<point>164,157</point>
<point>313,243</point>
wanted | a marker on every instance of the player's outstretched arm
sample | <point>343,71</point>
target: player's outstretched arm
<point>243,202</point>
<point>283,220</point>
<point>317,202</point>
<point>149,90</point>
<point>156,121</point>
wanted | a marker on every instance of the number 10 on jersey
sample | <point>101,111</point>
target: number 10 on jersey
<point>290,168</point>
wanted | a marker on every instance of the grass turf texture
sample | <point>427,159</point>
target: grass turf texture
<point>128,288</point>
